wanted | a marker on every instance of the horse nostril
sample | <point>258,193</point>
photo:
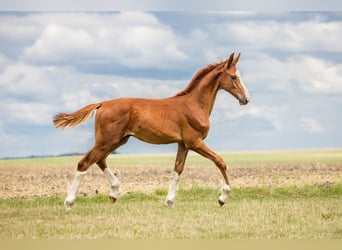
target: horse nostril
<point>244,102</point>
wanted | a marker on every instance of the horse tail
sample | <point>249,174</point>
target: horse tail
<point>62,120</point>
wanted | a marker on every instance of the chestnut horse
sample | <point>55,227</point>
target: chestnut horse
<point>182,119</point>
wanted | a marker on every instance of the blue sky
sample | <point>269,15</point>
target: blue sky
<point>60,61</point>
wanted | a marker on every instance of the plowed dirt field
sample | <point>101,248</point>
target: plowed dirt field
<point>26,179</point>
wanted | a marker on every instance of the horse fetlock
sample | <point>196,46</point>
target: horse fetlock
<point>225,194</point>
<point>226,188</point>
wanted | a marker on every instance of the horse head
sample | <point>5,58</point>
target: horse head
<point>230,80</point>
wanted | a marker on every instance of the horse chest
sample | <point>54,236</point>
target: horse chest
<point>199,125</point>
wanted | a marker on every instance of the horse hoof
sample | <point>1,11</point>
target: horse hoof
<point>68,205</point>
<point>221,203</point>
<point>170,204</point>
<point>113,199</point>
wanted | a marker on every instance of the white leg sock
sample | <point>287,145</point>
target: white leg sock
<point>171,195</point>
<point>71,197</point>
<point>114,183</point>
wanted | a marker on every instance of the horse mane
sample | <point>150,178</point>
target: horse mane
<point>198,77</point>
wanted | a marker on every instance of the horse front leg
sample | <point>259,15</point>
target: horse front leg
<point>178,169</point>
<point>203,150</point>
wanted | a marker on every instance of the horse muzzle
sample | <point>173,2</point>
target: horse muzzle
<point>244,101</point>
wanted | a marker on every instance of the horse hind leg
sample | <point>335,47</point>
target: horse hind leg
<point>90,158</point>
<point>113,180</point>
<point>71,197</point>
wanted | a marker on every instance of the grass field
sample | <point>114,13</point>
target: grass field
<point>301,213</point>
<point>276,195</point>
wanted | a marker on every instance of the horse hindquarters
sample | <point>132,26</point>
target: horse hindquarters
<point>109,135</point>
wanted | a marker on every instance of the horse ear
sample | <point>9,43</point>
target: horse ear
<point>236,59</point>
<point>229,61</point>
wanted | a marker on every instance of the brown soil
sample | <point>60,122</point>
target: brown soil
<point>46,181</point>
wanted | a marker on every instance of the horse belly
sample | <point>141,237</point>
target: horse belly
<point>157,127</point>
<point>157,133</point>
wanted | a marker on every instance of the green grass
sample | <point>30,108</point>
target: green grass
<point>291,212</point>
<point>309,212</point>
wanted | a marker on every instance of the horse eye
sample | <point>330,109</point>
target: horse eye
<point>233,78</point>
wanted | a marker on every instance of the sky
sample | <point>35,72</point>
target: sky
<point>51,62</point>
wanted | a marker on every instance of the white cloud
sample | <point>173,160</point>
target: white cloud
<point>311,125</point>
<point>32,94</point>
<point>16,28</point>
<point>228,110</point>
<point>3,61</point>
<point>317,75</point>
<point>29,113</point>
<point>20,80</point>
<point>58,42</point>
<point>313,34</point>
<point>306,72</point>
<point>272,114</point>
<point>132,39</point>
<point>74,100</point>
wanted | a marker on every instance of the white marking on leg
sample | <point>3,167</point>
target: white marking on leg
<point>171,195</point>
<point>225,193</point>
<point>71,197</point>
<point>114,183</point>
<point>225,190</point>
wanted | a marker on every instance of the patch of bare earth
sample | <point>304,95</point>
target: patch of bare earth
<point>18,181</point>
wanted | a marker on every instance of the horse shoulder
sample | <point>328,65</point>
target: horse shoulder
<point>197,121</point>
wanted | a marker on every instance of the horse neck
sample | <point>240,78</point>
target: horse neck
<point>205,92</point>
